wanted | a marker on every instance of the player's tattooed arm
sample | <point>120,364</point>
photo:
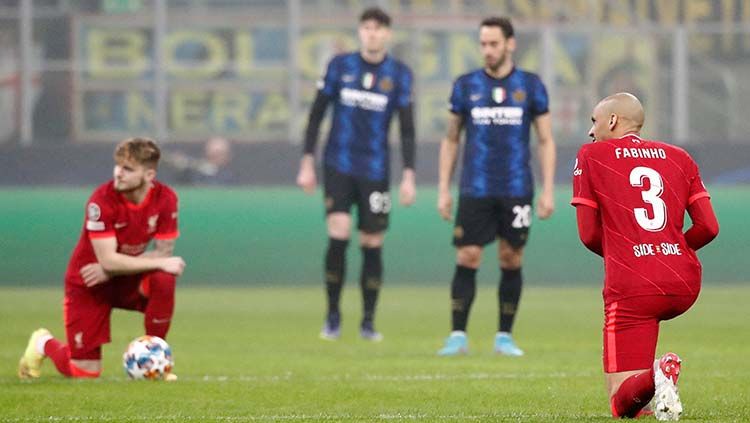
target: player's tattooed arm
<point>447,163</point>
<point>162,248</point>
<point>113,263</point>
<point>455,125</point>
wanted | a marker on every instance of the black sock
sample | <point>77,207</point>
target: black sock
<point>335,268</point>
<point>508,295</point>
<point>463,289</point>
<point>370,280</point>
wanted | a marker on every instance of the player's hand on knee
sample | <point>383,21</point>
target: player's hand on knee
<point>444,205</point>
<point>173,265</point>
<point>93,274</point>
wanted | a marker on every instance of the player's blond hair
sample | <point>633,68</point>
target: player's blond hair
<point>141,150</point>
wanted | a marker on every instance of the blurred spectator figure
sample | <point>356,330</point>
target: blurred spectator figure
<point>211,169</point>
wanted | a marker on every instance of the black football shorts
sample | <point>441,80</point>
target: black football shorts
<point>371,197</point>
<point>480,220</point>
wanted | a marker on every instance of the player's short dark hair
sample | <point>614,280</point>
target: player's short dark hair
<point>375,14</point>
<point>141,150</point>
<point>501,22</point>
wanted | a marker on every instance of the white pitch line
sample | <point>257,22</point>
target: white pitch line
<point>303,417</point>
<point>290,376</point>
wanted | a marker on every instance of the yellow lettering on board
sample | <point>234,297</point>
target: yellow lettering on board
<point>140,113</point>
<point>212,65</point>
<point>231,107</point>
<point>189,110</point>
<point>311,64</point>
<point>116,54</point>
<point>274,111</point>
<point>463,52</point>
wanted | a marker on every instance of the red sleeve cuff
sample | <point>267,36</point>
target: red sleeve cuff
<point>698,196</point>
<point>584,201</point>
<point>97,235</point>
<point>167,235</point>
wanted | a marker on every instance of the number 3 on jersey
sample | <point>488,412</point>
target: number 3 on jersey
<point>650,196</point>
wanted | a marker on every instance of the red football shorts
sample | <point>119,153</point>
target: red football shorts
<point>631,329</point>
<point>86,312</point>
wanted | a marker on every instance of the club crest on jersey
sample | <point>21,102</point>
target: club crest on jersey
<point>519,96</point>
<point>386,84</point>
<point>368,80</point>
<point>498,94</point>
<point>152,222</point>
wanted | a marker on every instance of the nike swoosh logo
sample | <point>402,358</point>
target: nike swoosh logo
<point>120,225</point>
<point>157,321</point>
<point>475,97</point>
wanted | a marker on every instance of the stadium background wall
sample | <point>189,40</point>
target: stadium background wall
<point>276,236</point>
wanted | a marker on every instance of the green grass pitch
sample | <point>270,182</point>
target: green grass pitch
<point>252,354</point>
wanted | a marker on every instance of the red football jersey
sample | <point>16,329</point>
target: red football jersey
<point>109,214</point>
<point>641,189</point>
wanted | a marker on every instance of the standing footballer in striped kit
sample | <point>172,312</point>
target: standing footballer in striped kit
<point>497,105</point>
<point>366,88</point>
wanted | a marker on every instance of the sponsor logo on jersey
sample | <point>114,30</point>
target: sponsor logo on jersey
<point>386,84</point>
<point>120,225</point>
<point>497,115</point>
<point>363,99</point>
<point>475,97</point>
<point>498,94</point>
<point>347,78</point>
<point>132,249</point>
<point>368,80</point>
<point>519,95</point>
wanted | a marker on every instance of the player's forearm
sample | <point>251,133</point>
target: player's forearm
<point>705,225</point>
<point>123,264</point>
<point>317,112</point>
<point>448,154</point>
<point>162,248</point>
<point>547,159</point>
<point>589,228</point>
<point>408,144</point>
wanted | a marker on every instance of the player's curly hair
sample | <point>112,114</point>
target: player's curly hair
<point>141,150</point>
<point>376,14</point>
<point>503,23</point>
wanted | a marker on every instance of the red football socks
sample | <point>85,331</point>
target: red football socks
<point>158,313</point>
<point>634,394</point>
<point>59,353</point>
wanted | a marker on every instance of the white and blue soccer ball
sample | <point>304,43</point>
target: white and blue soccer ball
<point>148,357</point>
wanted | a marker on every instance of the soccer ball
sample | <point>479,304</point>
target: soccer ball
<point>148,357</point>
